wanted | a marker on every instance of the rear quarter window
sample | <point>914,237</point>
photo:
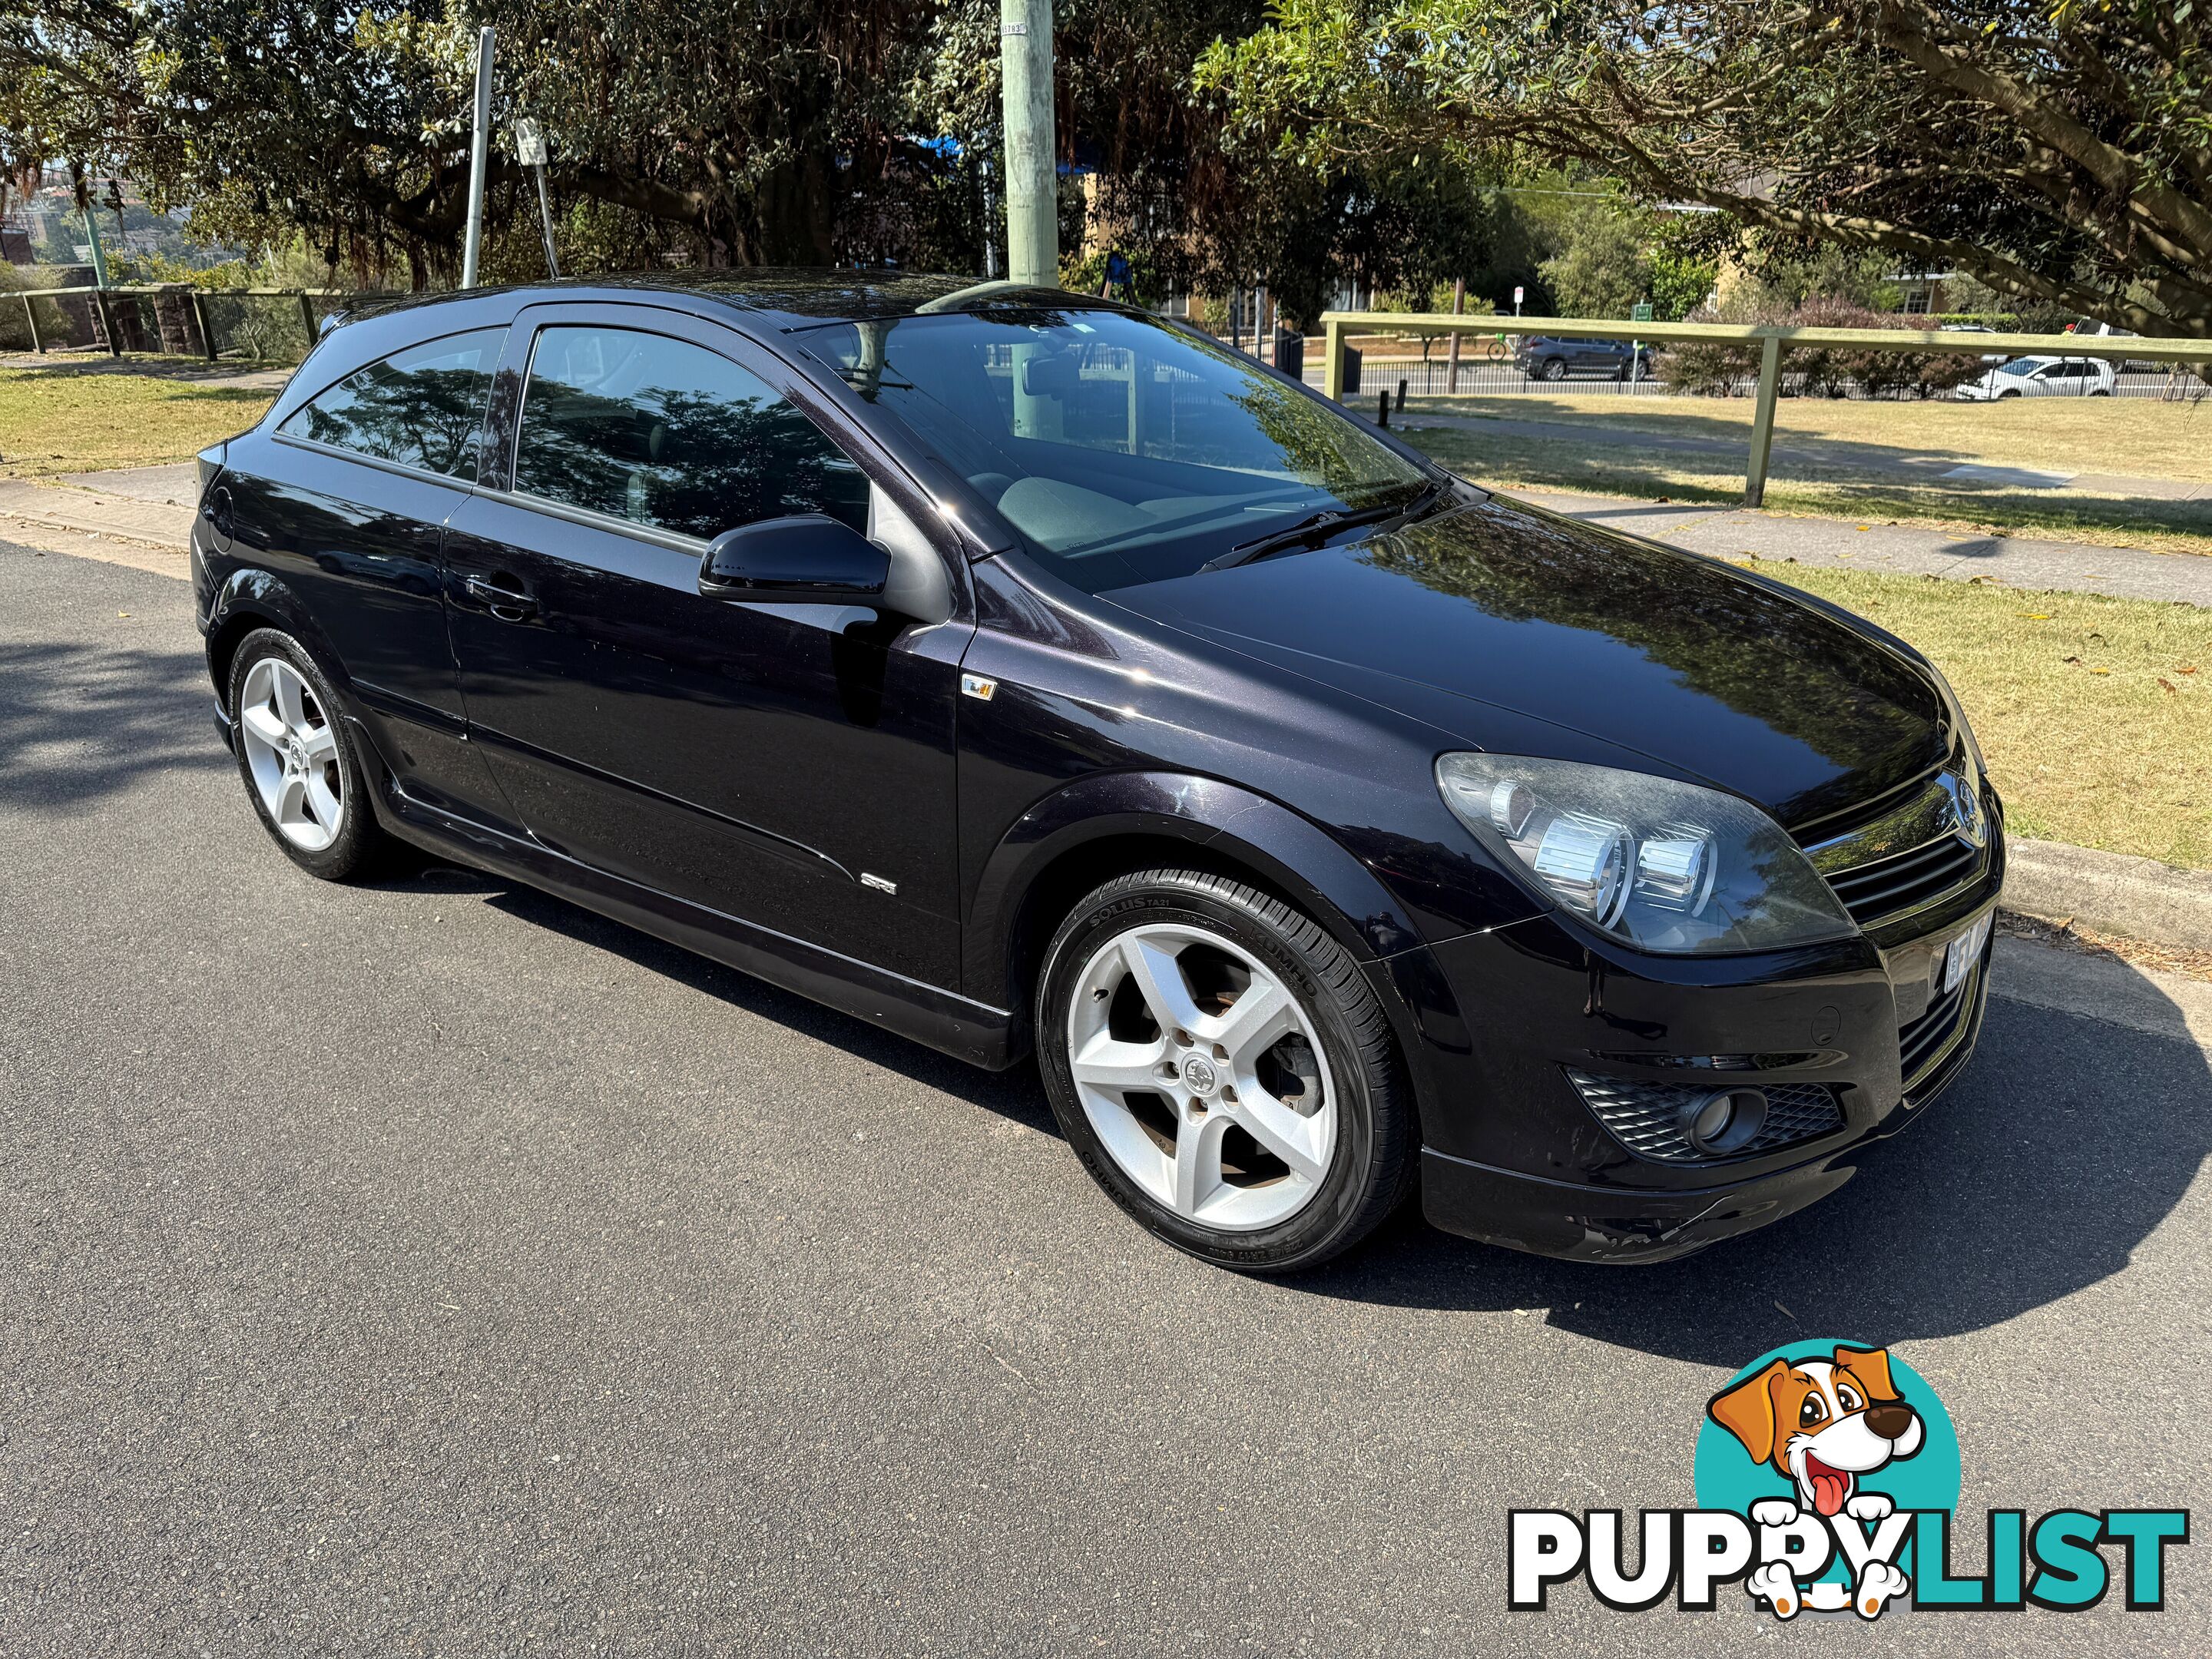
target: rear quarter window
<point>423,407</point>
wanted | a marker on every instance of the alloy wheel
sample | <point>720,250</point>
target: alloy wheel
<point>293,754</point>
<point>1202,1077</point>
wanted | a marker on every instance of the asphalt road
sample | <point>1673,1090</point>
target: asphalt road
<point>434,1269</point>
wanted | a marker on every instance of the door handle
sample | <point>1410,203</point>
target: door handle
<point>506,603</point>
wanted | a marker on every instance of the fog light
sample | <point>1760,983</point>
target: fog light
<point>1724,1121</point>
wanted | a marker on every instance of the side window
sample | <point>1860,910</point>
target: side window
<point>650,429</point>
<point>421,407</point>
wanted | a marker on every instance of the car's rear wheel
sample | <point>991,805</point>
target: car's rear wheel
<point>1223,1069</point>
<point>300,765</point>
<point>1555,368</point>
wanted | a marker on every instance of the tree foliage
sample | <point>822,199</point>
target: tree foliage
<point>2059,151</point>
<point>699,132</point>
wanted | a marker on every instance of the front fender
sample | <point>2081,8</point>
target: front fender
<point>1286,850</point>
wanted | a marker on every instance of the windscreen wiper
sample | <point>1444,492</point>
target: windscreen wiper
<point>1312,531</point>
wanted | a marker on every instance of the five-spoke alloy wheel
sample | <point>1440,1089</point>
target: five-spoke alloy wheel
<point>298,759</point>
<point>1222,1067</point>
<point>292,754</point>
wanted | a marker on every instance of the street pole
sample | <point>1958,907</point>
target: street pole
<point>1031,182</point>
<point>479,157</point>
<point>100,278</point>
<point>1459,308</point>
<point>990,230</point>
<point>98,255</point>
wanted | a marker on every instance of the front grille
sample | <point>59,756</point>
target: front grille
<point>1907,881</point>
<point>1646,1117</point>
<point>1917,848</point>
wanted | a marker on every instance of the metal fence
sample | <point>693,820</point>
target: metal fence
<point>275,326</point>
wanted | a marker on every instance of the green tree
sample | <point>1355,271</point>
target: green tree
<point>1604,268</point>
<point>708,132</point>
<point>2056,151</point>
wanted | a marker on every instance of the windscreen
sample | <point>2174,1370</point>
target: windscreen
<point>1123,450</point>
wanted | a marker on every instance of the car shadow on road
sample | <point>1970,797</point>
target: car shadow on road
<point>2064,1146</point>
<point>1015,1094</point>
<point>2066,1143</point>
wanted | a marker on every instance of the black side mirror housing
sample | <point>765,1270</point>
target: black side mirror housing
<point>808,558</point>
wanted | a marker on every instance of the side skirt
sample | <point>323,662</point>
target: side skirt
<point>943,1020</point>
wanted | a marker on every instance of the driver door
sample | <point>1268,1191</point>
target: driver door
<point>790,765</point>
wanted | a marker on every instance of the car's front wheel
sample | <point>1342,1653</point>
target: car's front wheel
<point>1224,1070</point>
<point>301,767</point>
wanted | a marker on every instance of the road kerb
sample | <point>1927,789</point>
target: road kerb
<point>2110,892</point>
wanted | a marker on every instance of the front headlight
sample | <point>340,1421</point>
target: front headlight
<point>1659,865</point>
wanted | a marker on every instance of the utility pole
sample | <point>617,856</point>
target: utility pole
<point>479,156</point>
<point>1031,178</point>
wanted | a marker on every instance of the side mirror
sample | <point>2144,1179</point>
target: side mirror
<point>809,558</point>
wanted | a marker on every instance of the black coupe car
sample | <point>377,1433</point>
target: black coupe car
<point>1028,674</point>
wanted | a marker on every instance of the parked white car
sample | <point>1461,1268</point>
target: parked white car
<point>2042,377</point>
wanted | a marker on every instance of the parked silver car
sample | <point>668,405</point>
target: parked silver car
<point>2042,377</point>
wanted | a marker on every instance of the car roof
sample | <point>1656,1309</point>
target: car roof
<point>781,297</point>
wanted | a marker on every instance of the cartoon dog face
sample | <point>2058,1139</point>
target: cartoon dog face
<point>1822,1422</point>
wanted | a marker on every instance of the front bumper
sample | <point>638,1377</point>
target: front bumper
<point>1615,1222</point>
<point>1513,1155</point>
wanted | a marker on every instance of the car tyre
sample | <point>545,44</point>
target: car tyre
<point>300,760</point>
<point>2009,391</point>
<point>1143,1055</point>
<point>1555,368</point>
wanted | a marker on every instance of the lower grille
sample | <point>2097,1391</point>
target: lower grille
<point>1646,1117</point>
<point>1924,1043</point>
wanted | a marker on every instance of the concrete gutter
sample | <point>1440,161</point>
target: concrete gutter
<point>2110,893</point>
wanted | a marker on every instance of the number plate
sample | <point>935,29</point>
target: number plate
<point>1959,955</point>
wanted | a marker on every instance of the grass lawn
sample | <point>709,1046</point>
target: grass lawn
<point>63,423</point>
<point>1882,460</point>
<point>2094,714</point>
